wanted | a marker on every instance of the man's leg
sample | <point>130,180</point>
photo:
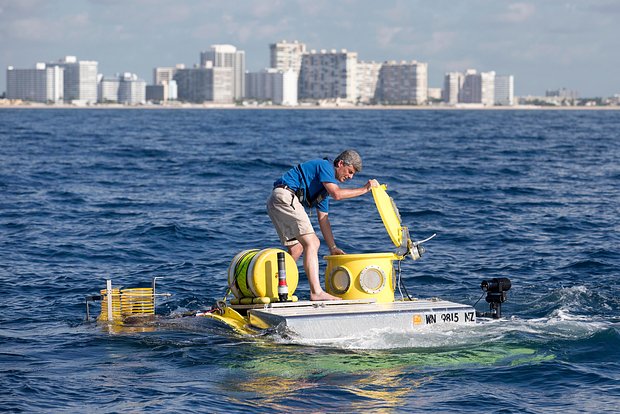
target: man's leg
<point>296,250</point>
<point>310,247</point>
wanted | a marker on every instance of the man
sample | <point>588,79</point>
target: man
<point>311,185</point>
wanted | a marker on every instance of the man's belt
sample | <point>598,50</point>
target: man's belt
<point>286,187</point>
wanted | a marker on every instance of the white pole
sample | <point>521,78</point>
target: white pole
<point>109,295</point>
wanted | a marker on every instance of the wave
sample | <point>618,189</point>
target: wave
<point>539,335</point>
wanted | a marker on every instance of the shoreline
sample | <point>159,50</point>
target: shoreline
<point>474,107</point>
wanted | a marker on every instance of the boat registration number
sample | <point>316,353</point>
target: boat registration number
<point>444,317</point>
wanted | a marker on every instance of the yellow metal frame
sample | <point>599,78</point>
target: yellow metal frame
<point>126,303</point>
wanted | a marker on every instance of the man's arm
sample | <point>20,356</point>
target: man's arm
<point>338,193</point>
<point>326,230</point>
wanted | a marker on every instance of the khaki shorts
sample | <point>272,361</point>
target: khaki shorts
<point>288,216</point>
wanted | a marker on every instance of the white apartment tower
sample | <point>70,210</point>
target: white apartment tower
<point>279,87</point>
<point>289,88</point>
<point>165,74</point>
<point>80,79</point>
<point>126,89</point>
<point>367,82</point>
<point>487,93</point>
<point>41,84</point>
<point>328,76</point>
<point>284,55</point>
<point>403,83</point>
<point>227,56</point>
<point>478,88</point>
<point>453,82</point>
<point>108,89</point>
<point>205,84</point>
<point>504,90</point>
<point>164,83</point>
<point>471,91</point>
<point>131,89</point>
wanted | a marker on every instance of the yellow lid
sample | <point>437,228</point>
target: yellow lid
<point>389,214</point>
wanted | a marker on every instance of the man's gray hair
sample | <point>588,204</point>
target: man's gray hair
<point>350,157</point>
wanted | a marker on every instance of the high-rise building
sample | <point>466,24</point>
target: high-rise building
<point>164,87</point>
<point>131,89</point>
<point>504,90</point>
<point>453,82</point>
<point>80,79</point>
<point>471,90</point>
<point>285,55</point>
<point>328,76</point>
<point>279,87</point>
<point>172,90</point>
<point>403,83</point>
<point>487,94</point>
<point>563,93</point>
<point>126,89</point>
<point>198,85</point>
<point>367,81</point>
<point>227,56</point>
<point>478,88</point>
<point>165,91</point>
<point>41,84</point>
<point>108,89</point>
<point>165,74</point>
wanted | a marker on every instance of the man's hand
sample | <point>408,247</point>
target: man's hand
<point>371,184</point>
<point>336,250</point>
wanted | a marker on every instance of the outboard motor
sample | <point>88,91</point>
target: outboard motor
<point>495,289</point>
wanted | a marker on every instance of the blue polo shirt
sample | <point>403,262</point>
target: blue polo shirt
<point>316,173</point>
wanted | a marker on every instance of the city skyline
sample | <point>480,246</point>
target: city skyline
<point>548,44</point>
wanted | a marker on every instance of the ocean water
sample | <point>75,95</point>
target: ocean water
<point>88,195</point>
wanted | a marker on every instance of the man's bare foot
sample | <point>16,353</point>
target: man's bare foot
<point>322,295</point>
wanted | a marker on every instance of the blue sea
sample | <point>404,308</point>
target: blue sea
<point>93,194</point>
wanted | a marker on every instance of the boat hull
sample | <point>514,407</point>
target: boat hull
<point>350,318</point>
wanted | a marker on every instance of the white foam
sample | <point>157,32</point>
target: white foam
<point>560,325</point>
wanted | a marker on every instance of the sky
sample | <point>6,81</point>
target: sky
<point>545,44</point>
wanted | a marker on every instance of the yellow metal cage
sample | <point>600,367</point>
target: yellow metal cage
<point>126,303</point>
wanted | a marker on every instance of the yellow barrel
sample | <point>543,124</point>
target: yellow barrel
<point>254,274</point>
<point>361,276</point>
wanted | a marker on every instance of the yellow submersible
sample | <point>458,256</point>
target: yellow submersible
<point>371,276</point>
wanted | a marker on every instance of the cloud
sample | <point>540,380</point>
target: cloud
<point>386,35</point>
<point>204,31</point>
<point>518,13</point>
<point>262,9</point>
<point>11,8</point>
<point>605,8</point>
<point>30,29</point>
<point>46,30</point>
<point>460,65</point>
<point>441,41</point>
<point>397,12</point>
<point>315,8</point>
